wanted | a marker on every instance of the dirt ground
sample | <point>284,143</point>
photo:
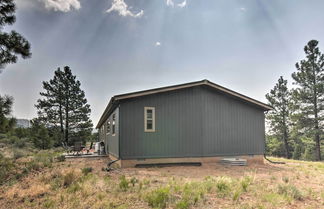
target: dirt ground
<point>306,177</point>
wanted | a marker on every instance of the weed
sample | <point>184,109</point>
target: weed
<point>289,191</point>
<point>183,204</point>
<point>123,183</point>
<point>285,179</point>
<point>237,195</point>
<point>133,181</point>
<point>87,170</point>
<point>60,158</point>
<point>18,154</point>
<point>158,198</point>
<point>49,203</point>
<point>245,182</point>
<point>69,178</point>
<point>73,188</point>
<point>223,186</point>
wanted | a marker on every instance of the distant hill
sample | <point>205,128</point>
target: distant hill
<point>23,123</point>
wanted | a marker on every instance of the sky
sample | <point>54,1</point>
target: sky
<point>121,46</point>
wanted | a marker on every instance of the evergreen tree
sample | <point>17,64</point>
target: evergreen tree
<point>6,124</point>
<point>42,139</point>
<point>64,105</point>
<point>279,98</point>
<point>309,94</point>
<point>11,44</point>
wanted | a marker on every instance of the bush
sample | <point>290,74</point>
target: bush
<point>20,143</point>
<point>69,178</point>
<point>123,183</point>
<point>159,197</point>
<point>86,171</point>
<point>60,158</point>
<point>223,186</point>
<point>18,154</point>
<point>7,167</point>
<point>133,181</point>
<point>183,204</point>
<point>290,191</point>
<point>245,182</point>
<point>285,179</point>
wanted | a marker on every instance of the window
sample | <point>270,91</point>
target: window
<point>108,127</point>
<point>114,124</point>
<point>149,119</point>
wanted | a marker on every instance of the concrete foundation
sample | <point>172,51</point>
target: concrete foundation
<point>251,159</point>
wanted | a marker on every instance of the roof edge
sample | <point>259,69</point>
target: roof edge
<point>115,98</point>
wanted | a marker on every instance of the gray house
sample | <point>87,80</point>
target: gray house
<point>192,122</point>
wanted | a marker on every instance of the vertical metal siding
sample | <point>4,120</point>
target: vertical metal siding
<point>112,142</point>
<point>193,122</point>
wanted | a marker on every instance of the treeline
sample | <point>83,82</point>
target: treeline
<point>296,121</point>
<point>63,115</point>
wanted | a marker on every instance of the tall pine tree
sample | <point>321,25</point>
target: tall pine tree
<point>6,123</point>
<point>64,105</point>
<point>11,44</point>
<point>279,98</point>
<point>309,92</point>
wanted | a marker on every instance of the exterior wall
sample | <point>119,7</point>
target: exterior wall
<point>111,141</point>
<point>192,122</point>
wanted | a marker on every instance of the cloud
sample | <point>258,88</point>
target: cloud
<point>183,4</point>
<point>62,5</point>
<point>170,3</point>
<point>121,7</point>
<point>158,43</point>
<point>243,9</point>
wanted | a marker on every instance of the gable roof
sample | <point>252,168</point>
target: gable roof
<point>113,103</point>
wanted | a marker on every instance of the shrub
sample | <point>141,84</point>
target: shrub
<point>133,181</point>
<point>245,182</point>
<point>19,143</point>
<point>69,178</point>
<point>74,188</point>
<point>223,186</point>
<point>290,191</point>
<point>86,170</point>
<point>183,204</point>
<point>237,195</point>
<point>18,154</point>
<point>7,167</point>
<point>158,198</point>
<point>45,158</point>
<point>60,158</point>
<point>123,183</point>
<point>285,179</point>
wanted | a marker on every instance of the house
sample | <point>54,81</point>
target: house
<point>192,122</point>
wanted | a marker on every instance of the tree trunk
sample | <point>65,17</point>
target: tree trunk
<point>286,143</point>
<point>317,138</point>
<point>317,130</point>
<point>67,123</point>
<point>61,120</point>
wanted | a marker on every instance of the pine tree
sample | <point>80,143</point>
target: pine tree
<point>11,44</point>
<point>279,98</point>
<point>6,124</point>
<point>42,139</point>
<point>309,93</point>
<point>64,105</point>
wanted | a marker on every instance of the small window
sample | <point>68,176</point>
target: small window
<point>108,127</point>
<point>149,119</point>
<point>114,124</point>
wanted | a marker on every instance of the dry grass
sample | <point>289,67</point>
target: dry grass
<point>296,184</point>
